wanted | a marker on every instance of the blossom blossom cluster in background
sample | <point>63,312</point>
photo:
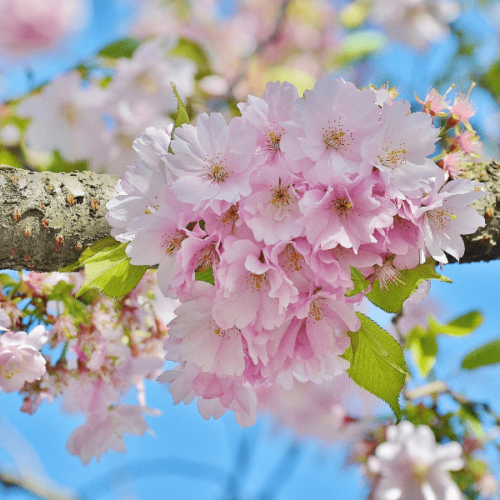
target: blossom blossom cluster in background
<point>101,348</point>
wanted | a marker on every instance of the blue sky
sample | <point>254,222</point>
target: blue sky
<point>182,435</point>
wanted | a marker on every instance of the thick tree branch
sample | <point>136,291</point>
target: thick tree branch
<point>47,219</point>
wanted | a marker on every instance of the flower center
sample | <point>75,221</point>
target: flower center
<point>394,158</point>
<point>388,275</point>
<point>230,216</point>
<point>173,241</point>
<point>342,206</point>
<point>70,113</point>
<point>207,258</point>
<point>281,196</point>
<point>216,168</point>
<point>316,310</point>
<point>334,136</point>
<point>439,218</point>
<point>293,258</point>
<point>272,141</point>
<point>257,281</point>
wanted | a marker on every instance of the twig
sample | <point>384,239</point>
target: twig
<point>31,485</point>
<point>260,47</point>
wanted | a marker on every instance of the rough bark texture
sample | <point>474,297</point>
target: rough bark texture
<point>47,219</point>
<point>483,245</point>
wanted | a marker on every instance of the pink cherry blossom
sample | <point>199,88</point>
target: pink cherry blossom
<point>412,465</point>
<point>31,26</point>
<point>401,148</point>
<point>67,117</point>
<point>104,431</point>
<point>194,336</point>
<point>251,291</point>
<point>266,115</point>
<point>20,358</point>
<point>445,215</point>
<point>213,161</point>
<point>328,127</point>
<point>346,213</point>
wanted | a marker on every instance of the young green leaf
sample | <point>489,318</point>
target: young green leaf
<point>102,245</point>
<point>360,283</point>
<point>122,48</point>
<point>108,269</point>
<point>207,276</point>
<point>423,346</point>
<point>391,300</point>
<point>377,363</point>
<point>182,116</point>
<point>189,49</point>
<point>487,354</point>
<point>460,326</point>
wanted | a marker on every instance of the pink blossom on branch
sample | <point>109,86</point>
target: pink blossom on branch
<point>20,358</point>
<point>274,208</point>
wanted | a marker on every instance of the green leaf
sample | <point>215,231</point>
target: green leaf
<point>391,300</point>
<point>94,249</point>
<point>470,417</point>
<point>207,276</point>
<point>8,281</point>
<point>182,115</point>
<point>423,346</point>
<point>108,269</point>
<point>377,363</point>
<point>122,48</point>
<point>488,354</point>
<point>491,80</point>
<point>8,158</point>
<point>358,45</point>
<point>360,283</point>
<point>460,326</point>
<point>59,164</point>
<point>192,50</point>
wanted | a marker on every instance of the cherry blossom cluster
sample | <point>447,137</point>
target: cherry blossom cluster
<point>461,144</point>
<point>255,225</point>
<point>96,120</point>
<point>94,351</point>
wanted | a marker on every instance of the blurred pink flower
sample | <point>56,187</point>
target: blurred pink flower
<point>20,358</point>
<point>413,466</point>
<point>33,25</point>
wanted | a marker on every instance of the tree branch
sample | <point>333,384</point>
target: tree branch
<point>47,219</point>
<point>35,487</point>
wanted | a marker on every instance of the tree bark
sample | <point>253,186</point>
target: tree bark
<point>47,219</point>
